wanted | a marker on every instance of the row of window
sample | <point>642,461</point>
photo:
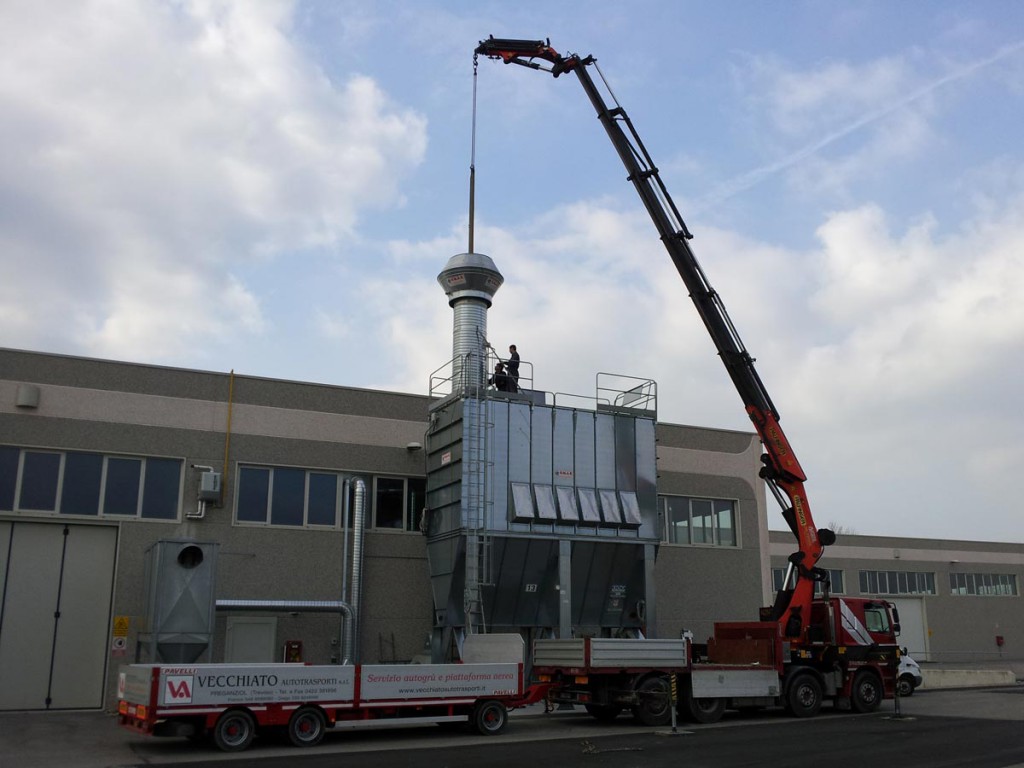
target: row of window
<point>288,496</point>
<point>914,583</point>
<point>89,484</point>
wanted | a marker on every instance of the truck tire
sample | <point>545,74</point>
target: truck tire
<point>655,703</point>
<point>490,717</point>
<point>603,713</point>
<point>803,697</point>
<point>905,685</point>
<point>704,711</point>
<point>234,731</point>
<point>306,727</point>
<point>867,692</point>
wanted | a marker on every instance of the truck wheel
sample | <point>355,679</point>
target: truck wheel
<point>234,731</point>
<point>655,703</point>
<point>704,711</point>
<point>867,693</point>
<point>490,717</point>
<point>603,713</point>
<point>803,699</point>
<point>905,685</point>
<point>306,727</point>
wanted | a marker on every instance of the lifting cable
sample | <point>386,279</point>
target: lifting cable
<point>472,158</point>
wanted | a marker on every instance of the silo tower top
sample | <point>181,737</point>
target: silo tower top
<point>470,275</point>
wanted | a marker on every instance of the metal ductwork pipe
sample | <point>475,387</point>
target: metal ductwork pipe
<point>359,528</point>
<point>470,281</point>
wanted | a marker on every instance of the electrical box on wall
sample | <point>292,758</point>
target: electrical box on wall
<point>209,486</point>
<point>292,651</point>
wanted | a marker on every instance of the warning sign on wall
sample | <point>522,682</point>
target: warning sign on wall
<point>121,626</point>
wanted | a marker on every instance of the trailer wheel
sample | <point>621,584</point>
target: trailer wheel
<point>867,693</point>
<point>655,702</point>
<point>603,713</point>
<point>234,731</point>
<point>906,686</point>
<point>306,727</point>
<point>803,699</point>
<point>704,711</point>
<point>490,717</point>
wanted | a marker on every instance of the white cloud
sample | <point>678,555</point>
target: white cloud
<point>152,151</point>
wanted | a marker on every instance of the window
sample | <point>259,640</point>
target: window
<point>699,521</point>
<point>897,583</point>
<point>399,502</point>
<point>983,584</point>
<point>89,484</point>
<point>836,586</point>
<point>876,619</point>
<point>296,497</point>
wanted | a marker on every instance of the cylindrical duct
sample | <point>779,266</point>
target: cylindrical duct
<point>357,565</point>
<point>470,281</point>
<point>468,336</point>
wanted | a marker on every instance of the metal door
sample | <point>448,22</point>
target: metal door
<point>56,586</point>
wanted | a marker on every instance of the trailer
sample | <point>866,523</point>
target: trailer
<point>851,661</point>
<point>233,703</point>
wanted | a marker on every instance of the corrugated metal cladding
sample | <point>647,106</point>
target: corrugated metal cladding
<point>550,470</point>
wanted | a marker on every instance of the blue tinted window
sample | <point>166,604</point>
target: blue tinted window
<point>80,494</point>
<point>121,496</point>
<point>39,481</point>
<point>288,501</point>
<point>323,499</point>
<point>160,493</point>
<point>8,475</point>
<point>253,487</point>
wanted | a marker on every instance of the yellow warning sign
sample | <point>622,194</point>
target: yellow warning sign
<point>121,626</point>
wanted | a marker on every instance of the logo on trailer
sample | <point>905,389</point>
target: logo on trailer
<point>179,689</point>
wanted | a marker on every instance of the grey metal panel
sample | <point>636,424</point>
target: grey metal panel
<point>82,632</point>
<point>625,453</point>
<point>522,501</point>
<point>498,481</point>
<point>610,507</point>
<point>563,446</point>
<point>630,508</point>
<point>559,653</point>
<point>584,450</point>
<point>604,435</point>
<point>519,435</point>
<point>588,505</point>
<point>29,602</point>
<point>540,447</point>
<point>647,477</point>
<point>739,682</point>
<point>545,502</point>
<point>567,507</point>
<point>635,652</point>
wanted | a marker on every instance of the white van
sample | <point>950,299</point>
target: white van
<point>909,675</point>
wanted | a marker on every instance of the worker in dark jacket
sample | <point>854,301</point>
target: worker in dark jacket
<point>501,381</point>
<point>513,365</point>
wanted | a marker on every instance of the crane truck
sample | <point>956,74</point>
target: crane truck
<point>803,648</point>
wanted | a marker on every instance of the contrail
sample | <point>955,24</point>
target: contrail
<point>756,176</point>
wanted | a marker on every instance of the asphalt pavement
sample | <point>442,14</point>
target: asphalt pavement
<point>990,724</point>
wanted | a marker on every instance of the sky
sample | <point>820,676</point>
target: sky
<point>272,186</point>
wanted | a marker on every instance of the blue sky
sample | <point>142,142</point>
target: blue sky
<point>272,187</point>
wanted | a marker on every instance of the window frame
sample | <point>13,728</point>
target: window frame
<point>716,507</point>
<point>102,513</point>
<point>877,582</point>
<point>1001,584</point>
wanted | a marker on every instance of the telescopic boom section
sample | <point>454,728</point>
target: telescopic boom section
<point>782,472</point>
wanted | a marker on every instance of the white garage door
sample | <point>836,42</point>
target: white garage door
<point>913,629</point>
<point>55,598</point>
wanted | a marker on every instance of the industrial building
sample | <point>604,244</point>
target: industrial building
<point>160,514</point>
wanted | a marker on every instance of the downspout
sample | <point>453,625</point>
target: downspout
<point>359,528</point>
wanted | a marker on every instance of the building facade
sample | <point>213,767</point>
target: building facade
<point>101,460</point>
